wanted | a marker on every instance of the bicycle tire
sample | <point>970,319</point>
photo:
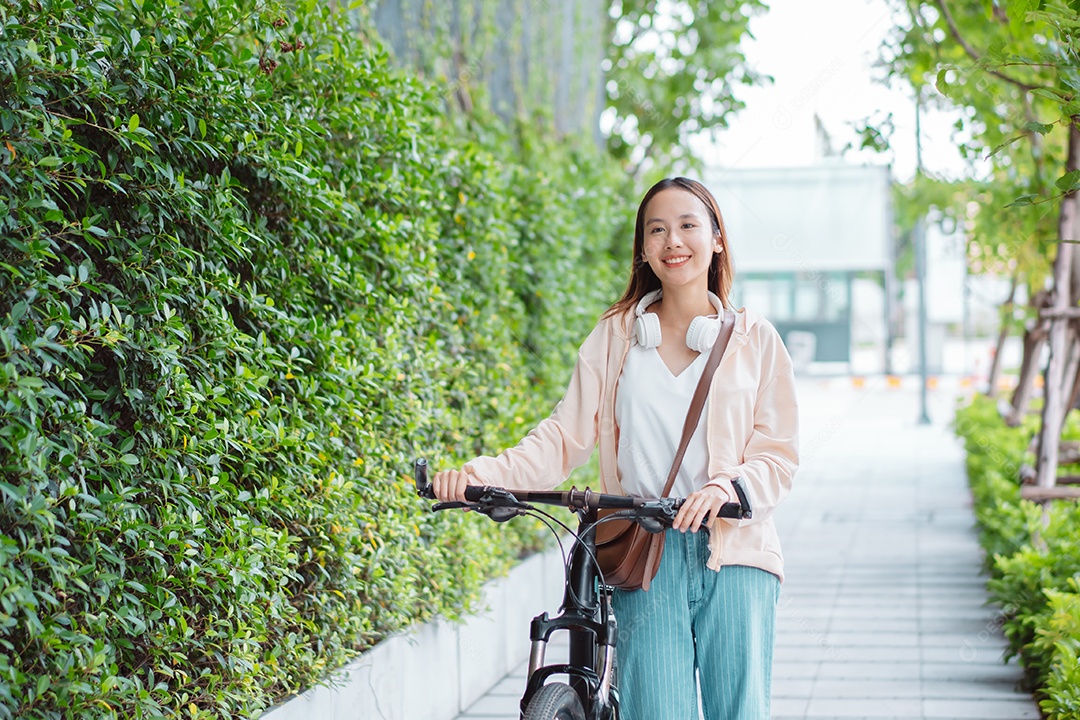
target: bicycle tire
<point>555,701</point>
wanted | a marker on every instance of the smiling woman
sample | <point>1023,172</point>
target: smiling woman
<point>629,396</point>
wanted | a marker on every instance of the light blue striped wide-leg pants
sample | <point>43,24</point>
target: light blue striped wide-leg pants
<point>720,624</point>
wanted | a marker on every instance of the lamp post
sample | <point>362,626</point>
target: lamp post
<point>919,237</point>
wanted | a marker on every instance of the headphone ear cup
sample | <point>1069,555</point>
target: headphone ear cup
<point>647,328</point>
<point>702,333</point>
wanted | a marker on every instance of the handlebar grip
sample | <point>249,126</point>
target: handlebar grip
<point>423,485</point>
<point>424,488</point>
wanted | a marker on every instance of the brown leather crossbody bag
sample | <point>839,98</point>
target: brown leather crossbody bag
<point>628,554</point>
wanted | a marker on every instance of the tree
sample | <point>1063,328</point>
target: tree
<point>672,70</point>
<point>1011,69</point>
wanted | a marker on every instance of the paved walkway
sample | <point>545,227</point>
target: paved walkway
<point>883,614</point>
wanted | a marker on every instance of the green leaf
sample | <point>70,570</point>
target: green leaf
<point>133,123</point>
<point>1069,181</point>
<point>1023,200</point>
<point>1018,9</point>
<point>49,161</point>
<point>1057,96</point>
<point>202,128</point>
<point>1038,127</point>
<point>942,81</point>
<point>129,459</point>
<point>1005,144</point>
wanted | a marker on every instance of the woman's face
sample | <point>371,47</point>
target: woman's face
<point>679,241</point>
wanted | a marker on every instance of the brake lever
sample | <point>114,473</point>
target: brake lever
<point>500,505</point>
<point>501,513</point>
<point>665,516</point>
<point>497,503</point>
<point>452,505</point>
<point>652,525</point>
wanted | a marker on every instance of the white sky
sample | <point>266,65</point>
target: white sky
<point>821,55</point>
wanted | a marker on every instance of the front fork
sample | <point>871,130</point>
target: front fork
<point>593,676</point>
<point>606,650</point>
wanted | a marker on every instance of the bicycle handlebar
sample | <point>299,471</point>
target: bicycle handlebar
<point>574,499</point>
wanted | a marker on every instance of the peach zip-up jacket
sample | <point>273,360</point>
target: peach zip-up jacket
<point>751,421</point>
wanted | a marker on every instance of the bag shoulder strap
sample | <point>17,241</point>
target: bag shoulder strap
<point>700,393</point>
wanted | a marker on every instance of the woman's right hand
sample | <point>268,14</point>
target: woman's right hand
<point>449,485</point>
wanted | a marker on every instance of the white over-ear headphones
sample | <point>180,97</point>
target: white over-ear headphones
<point>700,336</point>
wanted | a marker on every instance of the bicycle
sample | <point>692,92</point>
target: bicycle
<point>591,692</point>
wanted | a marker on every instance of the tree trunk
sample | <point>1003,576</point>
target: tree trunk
<point>1029,366</point>
<point>1054,406</point>
<point>1003,335</point>
<point>1071,388</point>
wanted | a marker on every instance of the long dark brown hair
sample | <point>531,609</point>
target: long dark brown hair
<point>643,280</point>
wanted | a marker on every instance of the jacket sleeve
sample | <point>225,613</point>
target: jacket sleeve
<point>562,441</point>
<point>771,454</point>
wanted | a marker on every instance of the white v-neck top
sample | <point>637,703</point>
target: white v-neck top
<point>650,410</point>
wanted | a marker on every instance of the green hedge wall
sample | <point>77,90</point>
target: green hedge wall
<point>248,272</point>
<point>1034,563</point>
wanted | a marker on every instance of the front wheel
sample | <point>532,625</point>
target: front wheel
<point>555,702</point>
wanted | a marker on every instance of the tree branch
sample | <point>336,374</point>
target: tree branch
<point>975,55</point>
<point>1036,145</point>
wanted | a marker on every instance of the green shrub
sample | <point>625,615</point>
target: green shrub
<point>1058,640</point>
<point>1021,585</point>
<point>995,453</point>
<point>1032,556</point>
<point>244,282</point>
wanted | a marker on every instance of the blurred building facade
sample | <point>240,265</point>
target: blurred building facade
<point>814,252</point>
<point>523,57</point>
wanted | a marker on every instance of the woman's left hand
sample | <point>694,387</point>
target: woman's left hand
<point>706,501</point>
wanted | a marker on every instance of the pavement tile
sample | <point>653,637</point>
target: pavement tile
<point>969,626</point>
<point>982,709</point>
<point>957,689</point>
<point>509,685</point>
<point>791,688</point>
<point>872,637</point>
<point>864,689</point>
<point>845,624</point>
<point>785,671</point>
<point>834,653</point>
<point>982,672</point>
<point>965,654</point>
<point>494,706</point>
<point>860,708</point>
<point>868,671</point>
<point>896,612</point>
<point>960,641</point>
<point>788,707</point>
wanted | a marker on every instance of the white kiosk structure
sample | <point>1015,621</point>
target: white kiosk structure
<point>813,252</point>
